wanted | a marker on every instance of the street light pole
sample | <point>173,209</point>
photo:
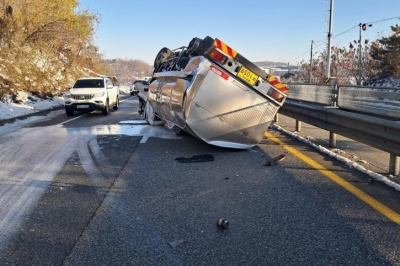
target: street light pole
<point>362,26</point>
<point>328,59</point>
<point>309,70</point>
<point>359,57</point>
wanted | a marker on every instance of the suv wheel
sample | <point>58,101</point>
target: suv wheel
<point>116,106</point>
<point>69,112</point>
<point>105,110</point>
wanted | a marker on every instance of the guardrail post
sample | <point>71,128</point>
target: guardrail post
<point>298,125</point>
<point>394,165</point>
<point>334,103</point>
<point>335,92</point>
<point>332,140</point>
<point>276,118</point>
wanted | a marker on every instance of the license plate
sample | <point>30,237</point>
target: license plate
<point>247,76</point>
<point>82,106</point>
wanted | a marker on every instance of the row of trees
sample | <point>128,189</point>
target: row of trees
<point>45,45</point>
<point>127,70</point>
<point>379,59</point>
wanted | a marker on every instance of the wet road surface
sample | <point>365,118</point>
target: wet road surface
<point>107,190</point>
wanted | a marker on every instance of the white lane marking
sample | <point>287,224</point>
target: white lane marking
<point>72,119</point>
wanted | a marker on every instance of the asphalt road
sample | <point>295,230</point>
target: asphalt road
<point>108,190</point>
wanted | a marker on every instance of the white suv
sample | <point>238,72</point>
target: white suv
<point>90,94</point>
<point>139,84</point>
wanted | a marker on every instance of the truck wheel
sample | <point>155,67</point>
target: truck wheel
<point>161,57</point>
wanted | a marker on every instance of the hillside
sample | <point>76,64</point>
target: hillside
<point>127,70</point>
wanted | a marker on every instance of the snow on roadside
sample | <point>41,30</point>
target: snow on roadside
<point>29,105</point>
<point>348,162</point>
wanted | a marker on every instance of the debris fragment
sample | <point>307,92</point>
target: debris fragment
<point>176,243</point>
<point>196,158</point>
<point>370,181</point>
<point>222,223</point>
<point>275,160</point>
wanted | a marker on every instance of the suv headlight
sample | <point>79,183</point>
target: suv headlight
<point>99,94</point>
<point>67,95</point>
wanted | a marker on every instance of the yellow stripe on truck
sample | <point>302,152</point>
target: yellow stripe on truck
<point>225,48</point>
<point>274,82</point>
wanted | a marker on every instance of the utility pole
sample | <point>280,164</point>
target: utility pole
<point>309,70</point>
<point>328,63</point>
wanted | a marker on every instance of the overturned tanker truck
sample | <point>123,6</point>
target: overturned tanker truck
<point>211,91</point>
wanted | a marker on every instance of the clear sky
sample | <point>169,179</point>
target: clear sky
<point>274,30</point>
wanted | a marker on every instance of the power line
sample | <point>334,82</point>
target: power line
<point>300,55</point>
<point>386,19</point>
<point>373,22</point>
<point>337,35</point>
<point>309,50</point>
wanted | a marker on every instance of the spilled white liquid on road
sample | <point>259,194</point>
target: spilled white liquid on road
<point>30,158</point>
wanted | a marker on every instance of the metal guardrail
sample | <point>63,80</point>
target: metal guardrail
<point>382,101</point>
<point>375,127</point>
<point>311,93</point>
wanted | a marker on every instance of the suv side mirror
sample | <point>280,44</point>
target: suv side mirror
<point>110,86</point>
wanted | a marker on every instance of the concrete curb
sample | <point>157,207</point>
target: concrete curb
<point>38,113</point>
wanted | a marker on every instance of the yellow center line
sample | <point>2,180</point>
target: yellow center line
<point>386,211</point>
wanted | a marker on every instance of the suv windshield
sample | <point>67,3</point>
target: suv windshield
<point>144,82</point>
<point>89,83</point>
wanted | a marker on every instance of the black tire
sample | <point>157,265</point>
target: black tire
<point>194,46</point>
<point>205,45</point>
<point>116,106</point>
<point>106,109</point>
<point>162,55</point>
<point>69,112</point>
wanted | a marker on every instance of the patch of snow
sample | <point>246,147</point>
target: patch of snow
<point>310,138</point>
<point>29,105</point>
<point>338,151</point>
